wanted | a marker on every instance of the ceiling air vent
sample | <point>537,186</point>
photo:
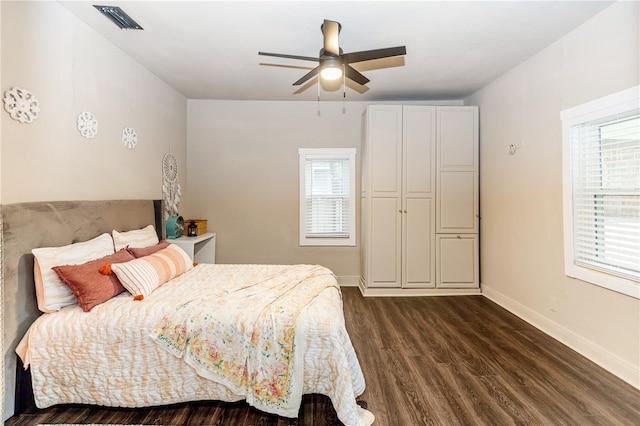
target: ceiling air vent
<point>119,17</point>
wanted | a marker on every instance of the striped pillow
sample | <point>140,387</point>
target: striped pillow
<point>143,275</point>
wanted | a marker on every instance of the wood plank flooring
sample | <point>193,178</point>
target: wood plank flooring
<point>427,361</point>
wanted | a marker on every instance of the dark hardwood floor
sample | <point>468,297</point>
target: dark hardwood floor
<point>428,361</point>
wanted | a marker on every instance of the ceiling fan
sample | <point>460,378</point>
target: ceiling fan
<point>333,63</point>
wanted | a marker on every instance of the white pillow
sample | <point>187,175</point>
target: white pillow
<point>143,275</point>
<point>138,238</point>
<point>52,294</point>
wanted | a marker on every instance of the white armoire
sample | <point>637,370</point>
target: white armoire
<point>420,200</point>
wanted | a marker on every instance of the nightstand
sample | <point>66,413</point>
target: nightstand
<point>201,249</point>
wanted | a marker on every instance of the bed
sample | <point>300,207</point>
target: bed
<point>165,348</point>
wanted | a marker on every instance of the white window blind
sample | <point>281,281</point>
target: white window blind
<point>327,198</point>
<point>602,193</point>
<point>606,194</point>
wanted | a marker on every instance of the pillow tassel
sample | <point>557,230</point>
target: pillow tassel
<point>106,269</point>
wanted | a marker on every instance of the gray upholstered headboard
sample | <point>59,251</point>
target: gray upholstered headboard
<point>49,224</point>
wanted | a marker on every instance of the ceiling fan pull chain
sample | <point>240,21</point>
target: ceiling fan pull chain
<point>318,96</point>
<point>344,82</point>
<point>344,90</point>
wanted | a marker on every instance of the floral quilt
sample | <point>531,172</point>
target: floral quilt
<point>245,338</point>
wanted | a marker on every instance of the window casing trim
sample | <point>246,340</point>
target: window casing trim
<point>617,103</point>
<point>329,154</point>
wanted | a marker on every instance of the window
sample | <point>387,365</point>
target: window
<point>327,197</point>
<point>601,191</point>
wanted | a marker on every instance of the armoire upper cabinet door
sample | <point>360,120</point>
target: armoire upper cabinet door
<point>385,150</point>
<point>457,138</point>
<point>419,136</point>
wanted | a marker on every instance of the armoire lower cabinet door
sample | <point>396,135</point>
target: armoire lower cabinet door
<point>419,244</point>
<point>457,261</point>
<point>385,242</point>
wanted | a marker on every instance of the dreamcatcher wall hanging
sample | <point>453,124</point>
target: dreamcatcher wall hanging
<point>171,194</point>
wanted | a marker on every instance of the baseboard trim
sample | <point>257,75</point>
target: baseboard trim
<point>584,347</point>
<point>415,292</point>
<point>348,281</point>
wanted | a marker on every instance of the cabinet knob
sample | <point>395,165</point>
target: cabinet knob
<point>405,211</point>
<point>458,237</point>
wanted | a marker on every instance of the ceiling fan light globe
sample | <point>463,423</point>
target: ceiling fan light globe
<point>331,73</point>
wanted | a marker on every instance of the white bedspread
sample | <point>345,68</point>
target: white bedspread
<point>106,356</point>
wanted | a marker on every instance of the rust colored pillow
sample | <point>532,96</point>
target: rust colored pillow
<point>87,283</point>
<point>146,251</point>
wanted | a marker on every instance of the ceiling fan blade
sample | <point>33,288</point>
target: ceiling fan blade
<point>282,55</point>
<point>307,76</point>
<point>331,30</point>
<point>367,55</point>
<point>354,75</point>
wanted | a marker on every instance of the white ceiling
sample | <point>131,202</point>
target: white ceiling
<point>209,49</point>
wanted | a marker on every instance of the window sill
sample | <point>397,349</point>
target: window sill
<point>602,279</point>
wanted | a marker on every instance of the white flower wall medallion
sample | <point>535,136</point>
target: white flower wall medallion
<point>21,105</point>
<point>87,125</point>
<point>129,137</point>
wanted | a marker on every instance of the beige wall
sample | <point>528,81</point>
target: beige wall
<point>521,194</point>
<point>69,68</point>
<point>243,175</point>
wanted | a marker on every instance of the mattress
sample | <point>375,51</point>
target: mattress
<point>107,357</point>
